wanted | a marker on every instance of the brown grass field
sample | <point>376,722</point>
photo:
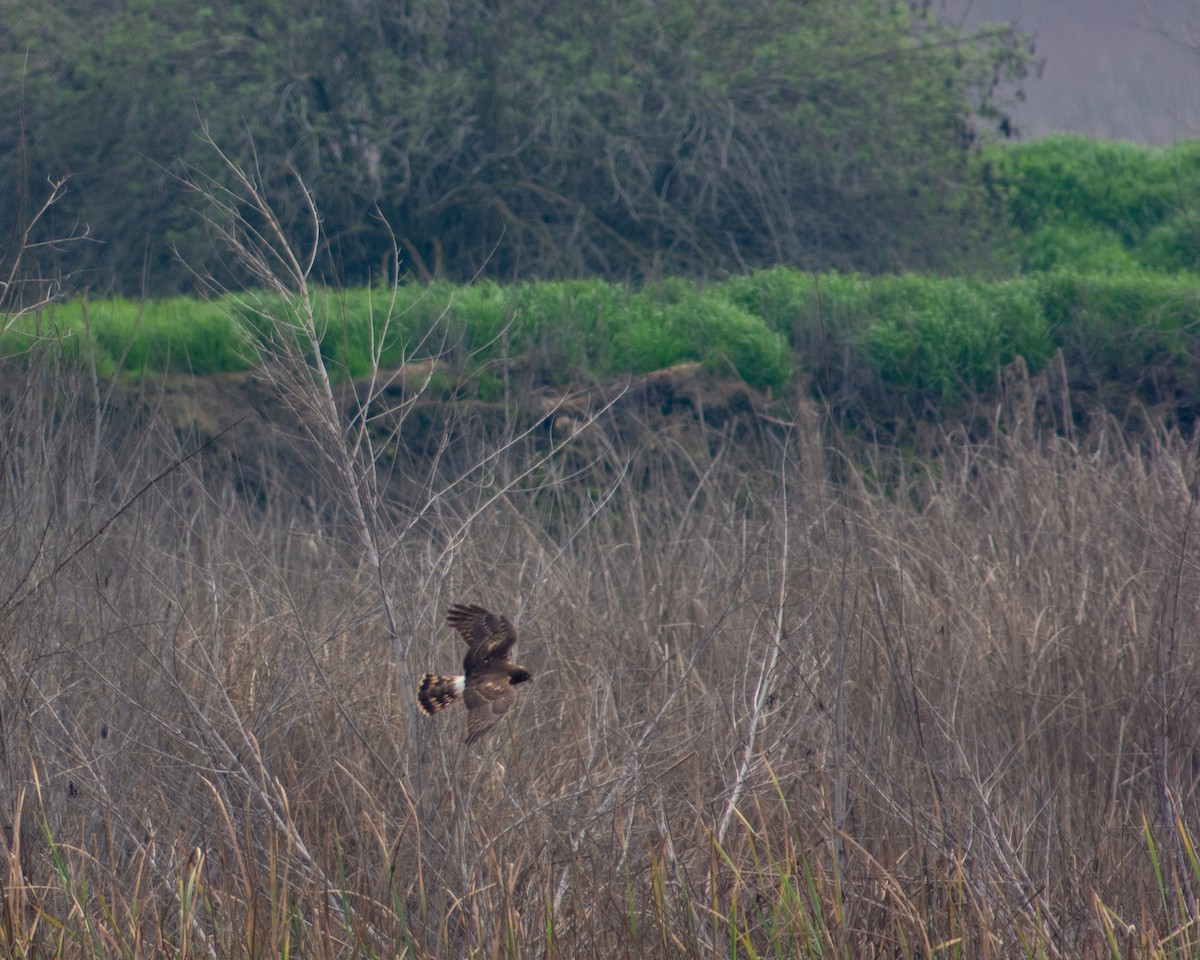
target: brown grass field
<point>793,695</point>
<point>788,701</point>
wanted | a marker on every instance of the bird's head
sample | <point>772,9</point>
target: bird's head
<point>518,675</point>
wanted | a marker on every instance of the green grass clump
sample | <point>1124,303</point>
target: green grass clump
<point>944,340</point>
<point>181,334</point>
<point>572,325</point>
<point>782,298</point>
<point>928,338</point>
<point>356,327</point>
<point>1120,329</point>
<point>1084,247</point>
<point>674,321</point>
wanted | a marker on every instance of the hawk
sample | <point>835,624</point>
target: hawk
<point>488,674</point>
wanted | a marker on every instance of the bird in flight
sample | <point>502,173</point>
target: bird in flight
<point>488,676</point>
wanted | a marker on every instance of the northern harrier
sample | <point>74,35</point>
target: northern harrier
<point>488,675</point>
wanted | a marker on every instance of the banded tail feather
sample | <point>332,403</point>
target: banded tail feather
<point>436,691</point>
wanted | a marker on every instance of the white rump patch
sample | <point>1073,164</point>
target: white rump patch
<point>460,684</point>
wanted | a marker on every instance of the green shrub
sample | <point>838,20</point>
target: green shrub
<point>1121,329</point>
<point>568,326</point>
<point>930,338</point>
<point>361,327</point>
<point>1175,244</point>
<point>1079,202</point>
<point>674,321</point>
<point>780,297</point>
<point>1086,247</point>
<point>944,340</point>
<point>650,339</point>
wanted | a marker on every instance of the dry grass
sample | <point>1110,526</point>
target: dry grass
<point>937,711</point>
<point>772,716</point>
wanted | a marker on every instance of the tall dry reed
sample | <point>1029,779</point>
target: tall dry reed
<point>952,713</point>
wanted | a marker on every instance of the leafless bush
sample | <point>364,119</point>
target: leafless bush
<point>28,281</point>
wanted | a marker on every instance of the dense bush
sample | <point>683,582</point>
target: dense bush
<point>1131,335</point>
<point>917,340</point>
<point>1083,203</point>
<point>531,138</point>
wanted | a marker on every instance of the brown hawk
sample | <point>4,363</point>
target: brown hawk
<point>488,675</point>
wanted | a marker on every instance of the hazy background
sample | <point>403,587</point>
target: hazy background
<point>1121,69</point>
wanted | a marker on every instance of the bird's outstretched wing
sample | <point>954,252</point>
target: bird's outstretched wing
<point>488,635</point>
<point>488,697</point>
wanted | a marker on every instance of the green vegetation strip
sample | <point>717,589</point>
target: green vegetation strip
<point>927,339</point>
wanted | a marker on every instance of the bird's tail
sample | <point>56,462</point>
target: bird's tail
<point>436,691</point>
